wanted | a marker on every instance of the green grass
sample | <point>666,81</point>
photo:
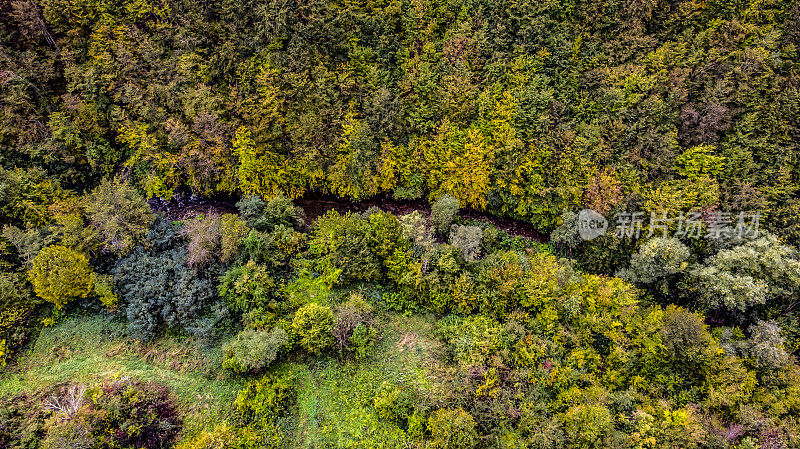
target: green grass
<point>335,398</point>
<point>94,350</point>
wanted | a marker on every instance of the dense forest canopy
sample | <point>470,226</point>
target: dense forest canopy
<point>522,108</point>
<point>258,325</point>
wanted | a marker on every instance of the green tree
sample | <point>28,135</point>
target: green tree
<point>122,216</point>
<point>443,212</point>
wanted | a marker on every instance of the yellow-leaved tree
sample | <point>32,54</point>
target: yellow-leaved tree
<point>60,275</point>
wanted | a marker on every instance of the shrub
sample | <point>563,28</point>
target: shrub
<point>718,289</point>
<point>203,235</point>
<point>386,235</point>
<point>763,271</point>
<point>60,275</point>
<point>265,216</point>
<point>247,287</point>
<point>452,429</point>
<point>343,241</point>
<point>28,243</point>
<point>353,327</point>
<point>471,339</point>
<point>232,230</point>
<point>222,436</point>
<point>140,415</point>
<point>276,248</point>
<point>268,398</point>
<point>766,346</point>
<point>124,414</point>
<point>122,216</point>
<point>17,305</point>
<point>104,291</point>
<point>253,350</point>
<point>213,237</point>
<point>158,286</point>
<point>394,403</point>
<point>362,341</point>
<point>688,343</point>
<point>443,212</point>
<point>313,326</point>
<point>468,240</point>
<point>587,425</point>
<point>414,229</point>
<point>567,234</point>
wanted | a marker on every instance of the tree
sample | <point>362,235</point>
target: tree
<point>158,287</point>
<point>468,240</point>
<point>452,429</point>
<point>658,261</point>
<point>60,275</point>
<point>122,216</point>
<point>762,271</point>
<point>266,215</point>
<point>443,211</point>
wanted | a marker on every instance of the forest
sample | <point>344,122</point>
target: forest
<point>427,224</point>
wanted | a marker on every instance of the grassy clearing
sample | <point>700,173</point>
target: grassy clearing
<point>335,401</point>
<point>94,350</point>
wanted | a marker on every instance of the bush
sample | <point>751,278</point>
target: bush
<point>247,287</point>
<point>353,328</point>
<point>443,212</point>
<point>414,229</point>
<point>268,398</point>
<point>394,404</point>
<point>386,235</point>
<point>313,326</point>
<point>472,339</point>
<point>158,286</point>
<point>688,343</point>
<point>452,429</point>
<point>222,436</point>
<point>203,235</point>
<point>137,415</point>
<point>763,271</point>
<point>276,248</point>
<point>60,275</point>
<point>28,243</point>
<point>104,291</point>
<point>253,350</point>
<point>124,414</point>
<point>567,234</point>
<point>468,240</point>
<point>232,233</point>
<point>588,425</point>
<point>213,238</point>
<point>122,216</point>
<point>17,305</point>
<point>766,346</point>
<point>343,242</point>
<point>265,216</point>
